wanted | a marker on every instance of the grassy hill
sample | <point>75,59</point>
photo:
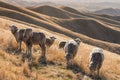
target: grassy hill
<point>64,23</point>
<point>109,11</point>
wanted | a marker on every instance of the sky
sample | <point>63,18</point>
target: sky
<point>77,0</point>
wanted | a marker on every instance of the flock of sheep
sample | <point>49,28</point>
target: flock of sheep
<point>70,47</point>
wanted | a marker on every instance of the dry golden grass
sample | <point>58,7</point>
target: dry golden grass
<point>52,23</point>
<point>109,70</point>
<point>12,67</point>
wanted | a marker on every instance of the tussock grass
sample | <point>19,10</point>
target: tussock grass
<point>12,67</point>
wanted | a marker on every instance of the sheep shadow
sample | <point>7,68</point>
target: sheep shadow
<point>39,64</point>
<point>76,69</point>
<point>14,51</point>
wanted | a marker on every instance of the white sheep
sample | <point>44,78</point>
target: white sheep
<point>71,48</point>
<point>96,59</point>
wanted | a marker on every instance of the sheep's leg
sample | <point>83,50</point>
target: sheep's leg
<point>98,73</point>
<point>72,60</point>
<point>91,73</point>
<point>69,61</point>
<point>98,69</point>
<point>29,52</point>
<point>19,47</point>
<point>42,58</point>
<point>26,50</point>
<point>68,64</point>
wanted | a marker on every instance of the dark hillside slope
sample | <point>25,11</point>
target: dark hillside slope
<point>93,29</point>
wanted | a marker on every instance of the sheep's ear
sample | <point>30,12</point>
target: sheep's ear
<point>62,44</point>
<point>53,38</point>
<point>10,26</point>
<point>29,32</point>
<point>77,40</point>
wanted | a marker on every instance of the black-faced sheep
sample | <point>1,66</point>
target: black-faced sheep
<point>96,60</point>
<point>71,48</point>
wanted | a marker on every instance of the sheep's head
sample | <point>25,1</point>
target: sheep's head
<point>97,50</point>
<point>13,29</point>
<point>62,44</point>
<point>52,38</point>
<point>27,34</point>
<point>77,40</point>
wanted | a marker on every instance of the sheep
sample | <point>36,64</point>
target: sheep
<point>18,34</point>
<point>62,44</point>
<point>71,48</point>
<point>96,59</point>
<point>36,38</point>
<point>50,41</point>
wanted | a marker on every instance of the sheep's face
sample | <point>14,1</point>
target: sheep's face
<point>13,28</point>
<point>77,40</point>
<point>27,34</point>
<point>52,38</point>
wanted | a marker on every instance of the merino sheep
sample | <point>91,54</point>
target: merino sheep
<point>18,34</point>
<point>71,48</point>
<point>62,44</point>
<point>96,59</point>
<point>37,38</point>
<point>50,41</point>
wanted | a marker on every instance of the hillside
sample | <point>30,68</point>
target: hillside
<point>51,11</point>
<point>53,24</point>
<point>55,68</point>
<point>55,12</point>
<point>91,28</point>
<point>108,11</point>
<point>64,23</point>
<point>70,9</point>
<point>22,3</point>
<point>117,18</point>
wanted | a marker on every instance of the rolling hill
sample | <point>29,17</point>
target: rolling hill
<point>117,18</point>
<point>64,23</point>
<point>51,11</point>
<point>63,26</point>
<point>108,11</point>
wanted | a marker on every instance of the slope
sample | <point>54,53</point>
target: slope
<point>23,10</point>
<point>55,68</point>
<point>117,18</point>
<point>57,28</point>
<point>92,28</point>
<point>55,12</point>
<point>69,9</point>
<point>51,11</point>
<point>109,11</point>
<point>105,20</point>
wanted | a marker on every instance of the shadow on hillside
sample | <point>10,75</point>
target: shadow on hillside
<point>14,51</point>
<point>11,50</point>
<point>78,70</point>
